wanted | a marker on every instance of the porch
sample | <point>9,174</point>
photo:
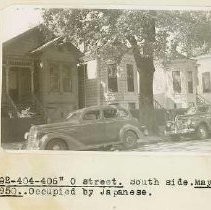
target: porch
<point>18,86</point>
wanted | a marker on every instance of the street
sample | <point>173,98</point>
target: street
<point>199,146</point>
<point>150,144</point>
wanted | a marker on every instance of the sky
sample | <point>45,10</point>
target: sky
<point>16,20</point>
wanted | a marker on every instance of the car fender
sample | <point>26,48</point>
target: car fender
<point>70,141</point>
<point>128,127</point>
<point>203,123</point>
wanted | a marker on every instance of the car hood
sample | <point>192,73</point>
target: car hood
<point>183,117</point>
<point>55,126</point>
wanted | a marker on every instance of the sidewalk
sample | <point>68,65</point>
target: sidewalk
<point>152,139</point>
<point>12,145</point>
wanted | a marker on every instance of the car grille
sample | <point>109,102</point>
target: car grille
<point>181,124</point>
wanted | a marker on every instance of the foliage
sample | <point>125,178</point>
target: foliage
<point>187,32</point>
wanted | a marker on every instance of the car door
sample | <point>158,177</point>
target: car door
<point>113,123</point>
<point>92,127</point>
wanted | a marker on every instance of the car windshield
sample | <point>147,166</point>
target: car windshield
<point>199,109</point>
<point>191,111</point>
<point>73,116</point>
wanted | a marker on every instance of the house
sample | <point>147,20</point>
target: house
<point>204,77</point>
<point>109,76</point>
<point>39,75</point>
<point>178,88</point>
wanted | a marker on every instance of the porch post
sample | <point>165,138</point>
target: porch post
<point>7,71</point>
<point>32,79</point>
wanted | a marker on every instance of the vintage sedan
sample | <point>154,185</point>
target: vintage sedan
<point>196,122</point>
<point>87,128</point>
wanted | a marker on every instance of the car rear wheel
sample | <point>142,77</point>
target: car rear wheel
<point>56,144</point>
<point>129,139</point>
<point>202,132</point>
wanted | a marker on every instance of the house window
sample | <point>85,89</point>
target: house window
<point>60,78</point>
<point>176,81</point>
<point>206,82</point>
<point>66,78</point>
<point>131,106</point>
<point>130,78</point>
<point>54,78</point>
<point>190,82</point>
<point>112,78</point>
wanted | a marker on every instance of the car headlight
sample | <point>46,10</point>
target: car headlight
<point>191,123</point>
<point>26,135</point>
<point>33,133</point>
<point>168,124</point>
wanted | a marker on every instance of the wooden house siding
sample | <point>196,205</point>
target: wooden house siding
<point>122,96</point>
<point>204,66</point>
<point>96,90</point>
<point>27,51</point>
<point>168,97</point>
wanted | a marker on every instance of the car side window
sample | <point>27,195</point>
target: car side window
<point>110,113</point>
<point>122,113</point>
<point>203,109</point>
<point>92,115</point>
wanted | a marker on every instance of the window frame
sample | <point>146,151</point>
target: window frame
<point>57,78</point>
<point>69,78</point>
<point>190,82</point>
<point>91,110</point>
<point>130,80</point>
<point>111,78</point>
<point>205,76</point>
<point>60,76</point>
<point>131,105</point>
<point>179,82</point>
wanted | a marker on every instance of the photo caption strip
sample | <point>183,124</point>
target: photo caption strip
<point>62,186</point>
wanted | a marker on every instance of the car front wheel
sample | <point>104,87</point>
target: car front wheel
<point>129,139</point>
<point>202,132</point>
<point>56,144</point>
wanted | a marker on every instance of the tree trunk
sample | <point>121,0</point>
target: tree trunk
<point>146,102</point>
<point>146,71</point>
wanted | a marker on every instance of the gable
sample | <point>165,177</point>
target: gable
<point>60,53</point>
<point>23,43</point>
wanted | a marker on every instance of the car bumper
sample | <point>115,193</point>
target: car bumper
<point>184,131</point>
<point>31,145</point>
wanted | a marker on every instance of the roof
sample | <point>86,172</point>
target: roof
<point>36,28</point>
<point>56,41</point>
<point>41,44</point>
<point>205,56</point>
<point>46,45</point>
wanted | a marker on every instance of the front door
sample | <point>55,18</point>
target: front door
<point>13,84</point>
<point>19,83</point>
<point>24,84</point>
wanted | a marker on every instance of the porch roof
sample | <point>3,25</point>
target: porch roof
<point>46,45</point>
<point>54,42</point>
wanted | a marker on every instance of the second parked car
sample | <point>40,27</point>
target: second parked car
<point>196,122</point>
<point>87,128</point>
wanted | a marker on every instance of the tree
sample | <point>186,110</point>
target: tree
<point>151,34</point>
